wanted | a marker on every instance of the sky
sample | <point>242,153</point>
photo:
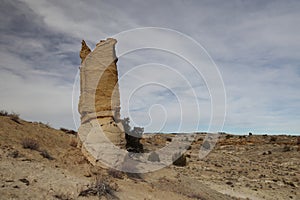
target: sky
<point>254,46</point>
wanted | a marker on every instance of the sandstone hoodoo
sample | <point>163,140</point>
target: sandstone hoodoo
<point>99,104</point>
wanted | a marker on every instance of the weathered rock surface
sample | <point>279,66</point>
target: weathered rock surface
<point>85,50</point>
<point>99,104</point>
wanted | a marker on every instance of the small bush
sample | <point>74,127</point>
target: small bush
<point>14,117</point>
<point>67,131</point>
<point>298,141</point>
<point>73,143</point>
<point>45,154</point>
<point>115,173</point>
<point>3,113</point>
<point>179,159</point>
<point>28,143</point>
<point>100,188</point>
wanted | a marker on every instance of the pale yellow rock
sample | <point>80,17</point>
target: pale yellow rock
<point>85,50</point>
<point>99,104</point>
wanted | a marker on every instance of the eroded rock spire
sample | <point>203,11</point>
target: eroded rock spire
<point>85,50</point>
<point>99,104</point>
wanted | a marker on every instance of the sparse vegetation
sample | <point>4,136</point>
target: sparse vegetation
<point>3,113</point>
<point>13,116</point>
<point>45,154</point>
<point>29,143</point>
<point>67,131</point>
<point>274,171</point>
<point>101,188</point>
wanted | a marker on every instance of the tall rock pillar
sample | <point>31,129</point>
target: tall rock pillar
<point>99,104</point>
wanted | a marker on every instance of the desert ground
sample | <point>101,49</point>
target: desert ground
<point>40,162</point>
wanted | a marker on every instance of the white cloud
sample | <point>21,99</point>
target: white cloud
<point>255,44</point>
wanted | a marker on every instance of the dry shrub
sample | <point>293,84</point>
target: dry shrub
<point>29,143</point>
<point>3,113</point>
<point>298,141</point>
<point>67,131</point>
<point>73,143</point>
<point>101,188</point>
<point>45,154</point>
<point>14,117</point>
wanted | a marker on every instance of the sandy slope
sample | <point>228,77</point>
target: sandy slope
<point>237,167</point>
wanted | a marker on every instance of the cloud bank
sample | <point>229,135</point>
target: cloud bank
<point>255,45</point>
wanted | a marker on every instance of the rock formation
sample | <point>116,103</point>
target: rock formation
<point>85,50</point>
<point>101,131</point>
<point>99,104</point>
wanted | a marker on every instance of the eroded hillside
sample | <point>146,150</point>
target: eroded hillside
<point>52,167</point>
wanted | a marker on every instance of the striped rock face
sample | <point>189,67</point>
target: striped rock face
<point>99,104</point>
